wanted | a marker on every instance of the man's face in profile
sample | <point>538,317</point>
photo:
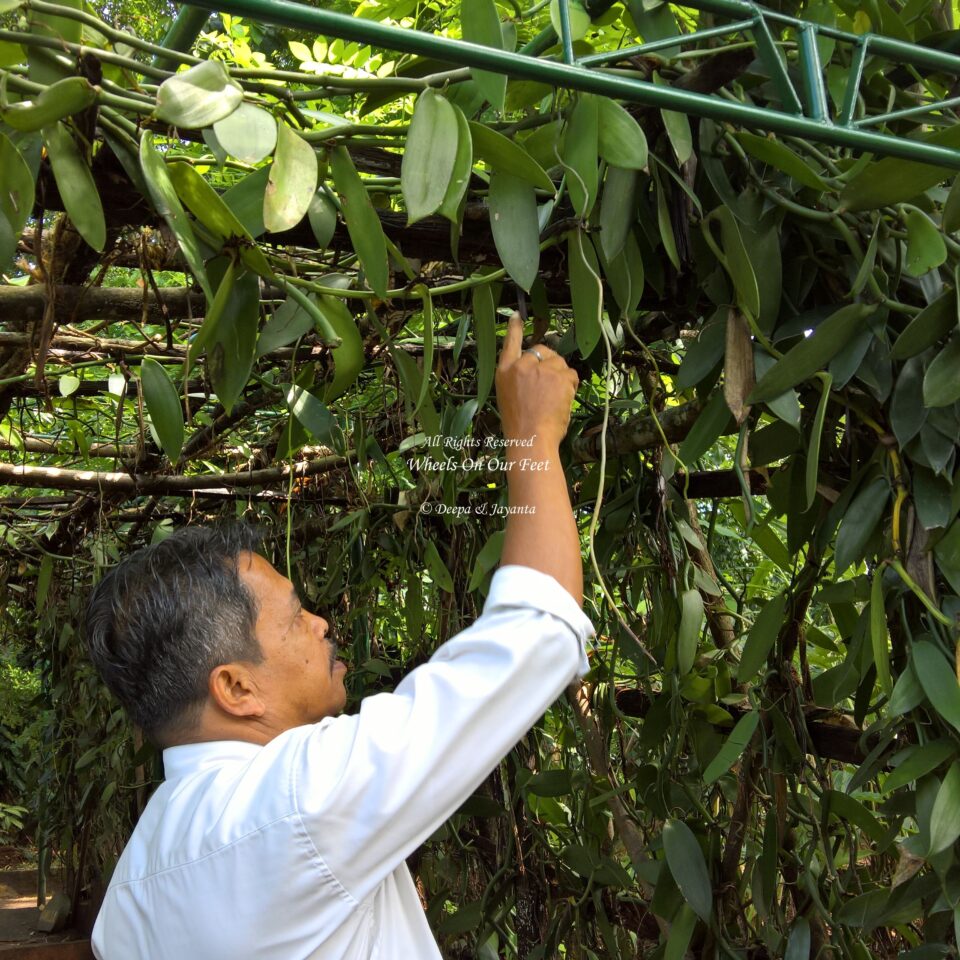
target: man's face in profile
<point>299,679</point>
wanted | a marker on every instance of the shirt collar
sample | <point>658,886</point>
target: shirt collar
<point>189,758</point>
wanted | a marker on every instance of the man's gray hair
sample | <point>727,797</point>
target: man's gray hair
<point>164,617</point>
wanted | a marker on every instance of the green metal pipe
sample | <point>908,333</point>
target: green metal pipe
<point>853,82</point>
<point>772,60</point>
<point>814,92</point>
<point>897,50</point>
<point>287,13</point>
<point>642,49</point>
<point>566,35</point>
<point>186,27</point>
<point>909,112</point>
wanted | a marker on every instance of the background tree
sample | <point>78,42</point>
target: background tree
<point>265,278</point>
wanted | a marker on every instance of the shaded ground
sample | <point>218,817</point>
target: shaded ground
<point>18,902</point>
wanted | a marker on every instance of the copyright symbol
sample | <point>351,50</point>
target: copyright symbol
<point>426,507</point>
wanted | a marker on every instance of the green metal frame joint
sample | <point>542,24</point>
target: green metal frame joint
<point>808,117</point>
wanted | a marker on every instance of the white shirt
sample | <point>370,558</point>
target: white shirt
<point>295,850</point>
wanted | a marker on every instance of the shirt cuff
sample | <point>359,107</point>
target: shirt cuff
<point>519,586</point>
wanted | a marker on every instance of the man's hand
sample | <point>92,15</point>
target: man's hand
<point>534,396</point>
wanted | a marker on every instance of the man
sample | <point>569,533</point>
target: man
<point>281,829</point>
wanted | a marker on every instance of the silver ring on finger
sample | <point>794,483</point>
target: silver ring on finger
<point>535,352</point>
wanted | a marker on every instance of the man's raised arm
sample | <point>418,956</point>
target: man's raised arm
<point>535,390</point>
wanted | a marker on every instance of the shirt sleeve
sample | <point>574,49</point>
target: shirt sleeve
<point>373,786</point>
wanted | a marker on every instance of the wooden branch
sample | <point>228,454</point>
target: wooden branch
<point>76,304</point>
<point>638,433</point>
<point>67,448</point>
<point>54,478</point>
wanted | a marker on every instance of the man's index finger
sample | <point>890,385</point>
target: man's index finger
<point>512,342</point>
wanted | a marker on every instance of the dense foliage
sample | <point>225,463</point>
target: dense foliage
<point>265,279</point>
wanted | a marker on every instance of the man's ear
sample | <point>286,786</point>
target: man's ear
<point>233,690</point>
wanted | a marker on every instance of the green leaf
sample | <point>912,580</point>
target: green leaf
<point>691,622</point>
<point>733,747</point>
<point>869,261</point>
<point>78,190</point>
<point>348,358</point>
<point>163,405</point>
<point>917,762</point>
<point>950,219</point>
<point>927,327</point>
<point>43,69</point>
<point>322,214</point>
<point>711,423</point>
<point>168,205</point>
<point>68,384</point>
<point>798,945</point>
<point>685,859</point>
<point>292,182</point>
<point>516,230</point>
<point>438,569</point>
<point>245,199</point>
<point>485,335</point>
<point>65,98</point>
<point>778,155</point>
<point>925,245</point>
<point>813,353</point>
<point>586,291</point>
<point>941,382</point>
<point>678,132</point>
<point>215,312</point>
<point>787,405</point>
<point>938,679</point>
<point>879,635</point>
<point>858,524</point>
<point>289,322</point>
<point>945,816</point>
<point>705,354</point>
<point>681,932</point>
<point>249,133</point>
<point>622,141</point>
<point>813,450</point>
<point>424,291</point>
<point>761,638</point>
<point>578,153</point>
<point>931,496</point>
<point>664,222</point>
<point>892,180</point>
<point>209,208</point>
<point>16,199</point>
<point>363,224</point>
<point>618,211</point>
<point>579,19</point>
<point>429,155</point>
<point>907,412</point>
<point>844,807</point>
<point>487,559</point>
<point>551,783</point>
<point>502,155</point>
<point>462,170</point>
<point>625,276</point>
<point>198,97</point>
<point>233,340</point>
<point>738,263</point>
<point>481,24</point>
<point>312,413</point>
